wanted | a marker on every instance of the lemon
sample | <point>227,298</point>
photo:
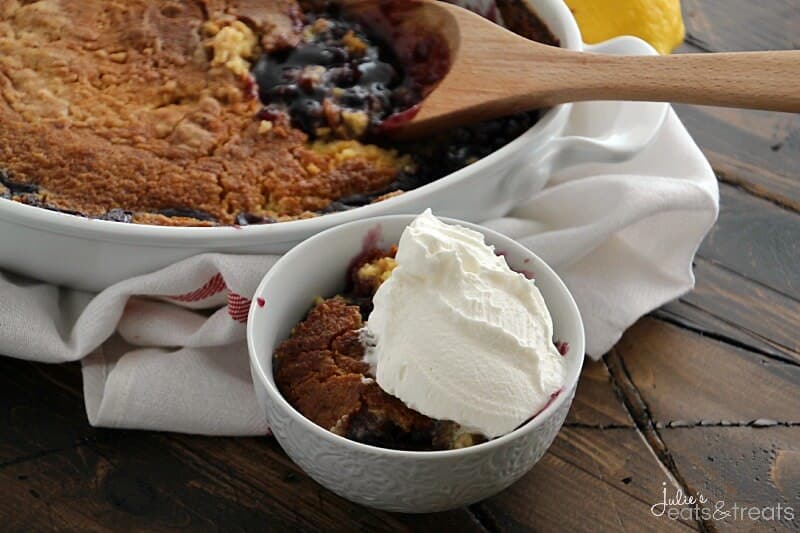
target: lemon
<point>659,22</point>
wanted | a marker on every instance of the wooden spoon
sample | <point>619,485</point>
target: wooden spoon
<point>494,72</point>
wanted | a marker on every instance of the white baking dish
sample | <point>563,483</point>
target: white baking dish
<point>93,254</point>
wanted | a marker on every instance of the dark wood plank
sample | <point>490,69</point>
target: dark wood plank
<point>700,321</point>
<point>730,25</point>
<point>40,409</point>
<point>744,466</point>
<point>726,304</point>
<point>713,391</point>
<point>259,468</point>
<point>756,239</point>
<point>590,480</point>
<point>159,482</point>
<point>756,150</point>
<point>730,305</point>
<point>596,402</point>
<point>145,486</point>
<point>751,306</point>
<point>56,471</point>
<point>685,378</point>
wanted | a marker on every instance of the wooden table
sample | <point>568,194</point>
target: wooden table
<point>702,395</point>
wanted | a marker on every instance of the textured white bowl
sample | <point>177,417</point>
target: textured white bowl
<point>94,254</point>
<point>406,481</point>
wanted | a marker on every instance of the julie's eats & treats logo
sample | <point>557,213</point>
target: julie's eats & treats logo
<point>687,507</point>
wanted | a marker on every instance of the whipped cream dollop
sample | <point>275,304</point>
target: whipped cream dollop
<point>457,335</point>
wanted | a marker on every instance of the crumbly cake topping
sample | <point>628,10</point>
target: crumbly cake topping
<point>234,45</point>
<point>376,272</point>
<point>146,106</point>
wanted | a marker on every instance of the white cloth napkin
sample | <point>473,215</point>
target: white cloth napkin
<point>166,351</point>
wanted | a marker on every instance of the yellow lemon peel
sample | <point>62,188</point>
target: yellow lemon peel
<point>659,22</point>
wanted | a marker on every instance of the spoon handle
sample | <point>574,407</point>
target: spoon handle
<point>757,80</point>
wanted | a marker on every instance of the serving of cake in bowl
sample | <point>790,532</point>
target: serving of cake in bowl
<point>425,375</point>
<point>440,323</point>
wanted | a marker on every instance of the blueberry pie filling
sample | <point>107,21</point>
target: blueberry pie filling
<point>340,82</point>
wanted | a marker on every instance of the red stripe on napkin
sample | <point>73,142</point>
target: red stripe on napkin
<point>213,286</point>
<point>238,307</point>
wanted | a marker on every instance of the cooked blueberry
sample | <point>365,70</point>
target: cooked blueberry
<point>355,97</point>
<point>286,92</point>
<point>270,113</point>
<point>344,76</point>
<point>188,213</point>
<point>373,72</point>
<point>458,154</point>
<point>357,200</point>
<point>249,219</point>
<point>334,207</point>
<point>380,101</point>
<point>462,136</point>
<point>16,187</point>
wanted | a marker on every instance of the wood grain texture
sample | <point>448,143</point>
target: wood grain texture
<point>259,467</point>
<point>744,466</point>
<point>756,150</point>
<point>747,277</point>
<point>722,25</point>
<point>590,480</point>
<point>142,483</point>
<point>707,324</point>
<point>687,379</point>
<point>756,239</point>
<point>40,409</point>
<point>755,80</point>
<point>597,403</point>
<point>727,304</point>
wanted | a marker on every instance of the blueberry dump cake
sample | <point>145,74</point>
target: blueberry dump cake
<point>213,112</point>
<point>434,344</point>
<point>321,371</point>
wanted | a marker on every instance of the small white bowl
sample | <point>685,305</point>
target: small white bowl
<point>395,480</point>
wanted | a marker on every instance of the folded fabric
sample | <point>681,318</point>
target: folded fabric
<point>166,351</point>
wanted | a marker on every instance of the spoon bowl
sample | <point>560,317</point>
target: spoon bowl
<point>474,70</point>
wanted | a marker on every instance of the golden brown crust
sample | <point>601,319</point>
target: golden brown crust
<point>110,104</point>
<point>319,370</point>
